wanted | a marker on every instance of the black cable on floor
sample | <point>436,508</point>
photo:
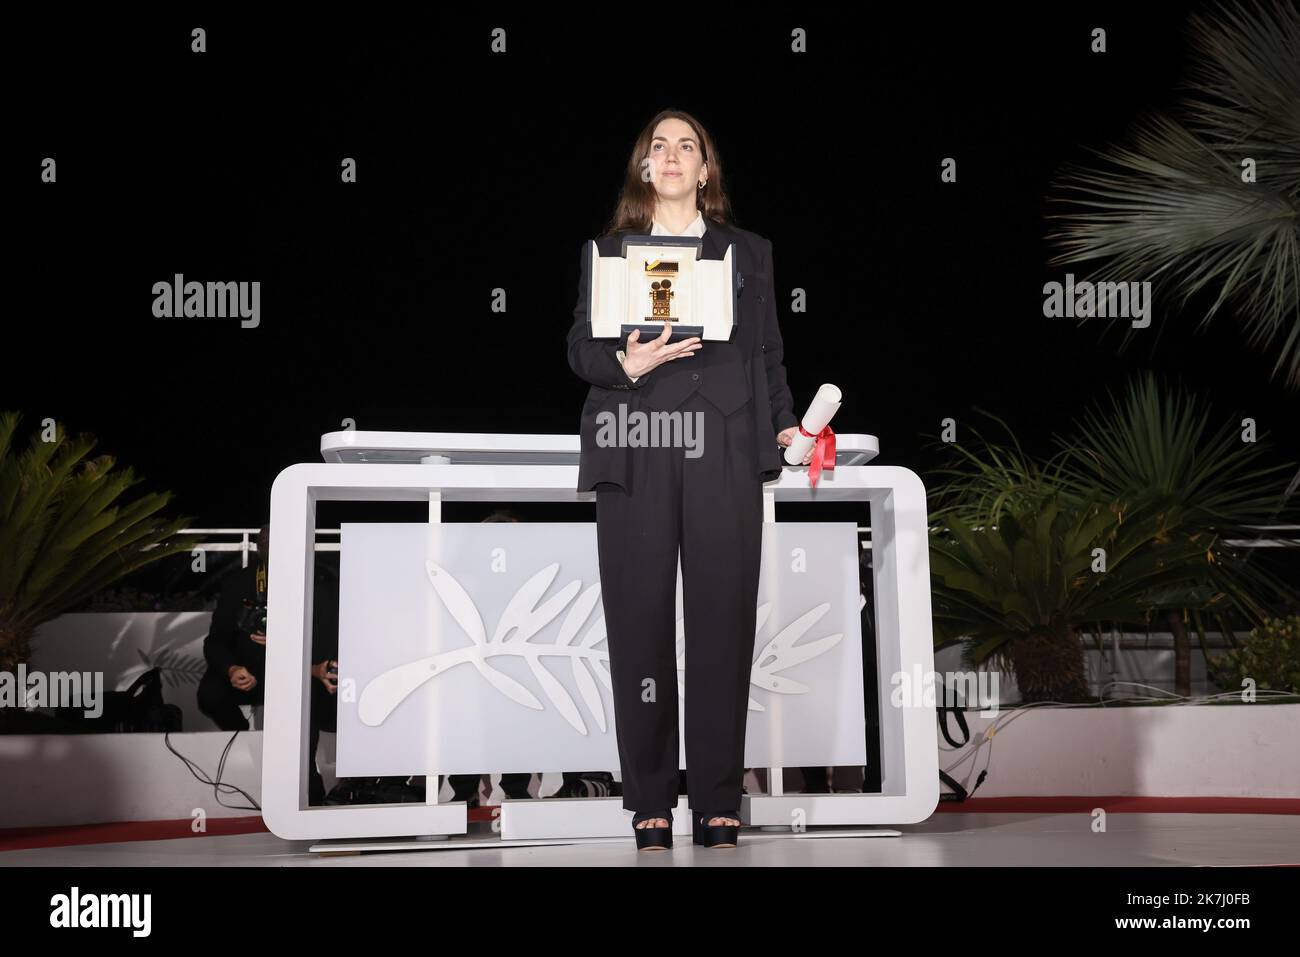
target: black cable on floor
<point>217,786</point>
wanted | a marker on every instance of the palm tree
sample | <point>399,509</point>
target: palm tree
<point>64,534</point>
<point>1023,558</point>
<point>1208,201</point>
<point>1157,455</point>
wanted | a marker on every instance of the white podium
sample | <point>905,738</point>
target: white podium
<point>511,468</point>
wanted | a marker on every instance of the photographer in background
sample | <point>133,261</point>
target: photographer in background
<point>235,651</point>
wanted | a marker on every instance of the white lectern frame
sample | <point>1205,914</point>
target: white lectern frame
<point>543,468</point>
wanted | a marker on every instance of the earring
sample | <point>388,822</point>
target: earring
<point>700,185</point>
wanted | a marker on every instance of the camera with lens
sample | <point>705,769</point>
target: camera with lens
<point>252,618</point>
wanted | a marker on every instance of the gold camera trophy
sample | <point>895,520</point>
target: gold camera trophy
<point>660,279</point>
<point>662,272</point>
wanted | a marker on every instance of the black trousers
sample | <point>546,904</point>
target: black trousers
<point>711,509</point>
<point>220,701</point>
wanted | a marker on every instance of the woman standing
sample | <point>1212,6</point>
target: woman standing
<point>654,501</point>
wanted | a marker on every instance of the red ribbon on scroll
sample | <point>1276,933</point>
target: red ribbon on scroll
<point>823,452</point>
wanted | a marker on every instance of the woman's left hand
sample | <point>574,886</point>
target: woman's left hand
<point>786,436</point>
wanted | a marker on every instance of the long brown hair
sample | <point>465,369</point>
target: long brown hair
<point>636,200</point>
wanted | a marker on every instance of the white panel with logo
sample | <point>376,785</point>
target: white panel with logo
<point>481,647</point>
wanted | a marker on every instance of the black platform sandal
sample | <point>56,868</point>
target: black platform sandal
<point>716,835</point>
<point>653,838</point>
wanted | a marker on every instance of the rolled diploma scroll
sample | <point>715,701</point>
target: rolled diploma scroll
<point>824,406</point>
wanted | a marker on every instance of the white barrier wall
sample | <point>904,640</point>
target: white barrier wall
<point>61,779</point>
<point>1224,751</point>
<point>1238,750</point>
<point>124,645</point>
<point>1220,751</point>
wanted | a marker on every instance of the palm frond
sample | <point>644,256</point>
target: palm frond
<point>65,530</point>
<point>1172,208</point>
<point>1242,87</point>
<point>1156,448</point>
<point>1153,485</point>
<point>1158,454</point>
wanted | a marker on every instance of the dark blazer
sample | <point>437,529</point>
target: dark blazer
<point>226,645</point>
<point>748,368</point>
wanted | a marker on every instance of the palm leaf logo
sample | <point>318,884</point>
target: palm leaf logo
<point>528,613</point>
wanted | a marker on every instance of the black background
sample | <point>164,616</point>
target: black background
<point>925,298</point>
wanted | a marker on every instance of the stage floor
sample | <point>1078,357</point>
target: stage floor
<point>946,840</point>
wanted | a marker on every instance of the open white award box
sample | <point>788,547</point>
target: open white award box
<point>660,279</point>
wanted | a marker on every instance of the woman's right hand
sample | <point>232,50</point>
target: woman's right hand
<point>644,356</point>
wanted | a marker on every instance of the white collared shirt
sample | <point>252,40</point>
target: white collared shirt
<point>696,228</point>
